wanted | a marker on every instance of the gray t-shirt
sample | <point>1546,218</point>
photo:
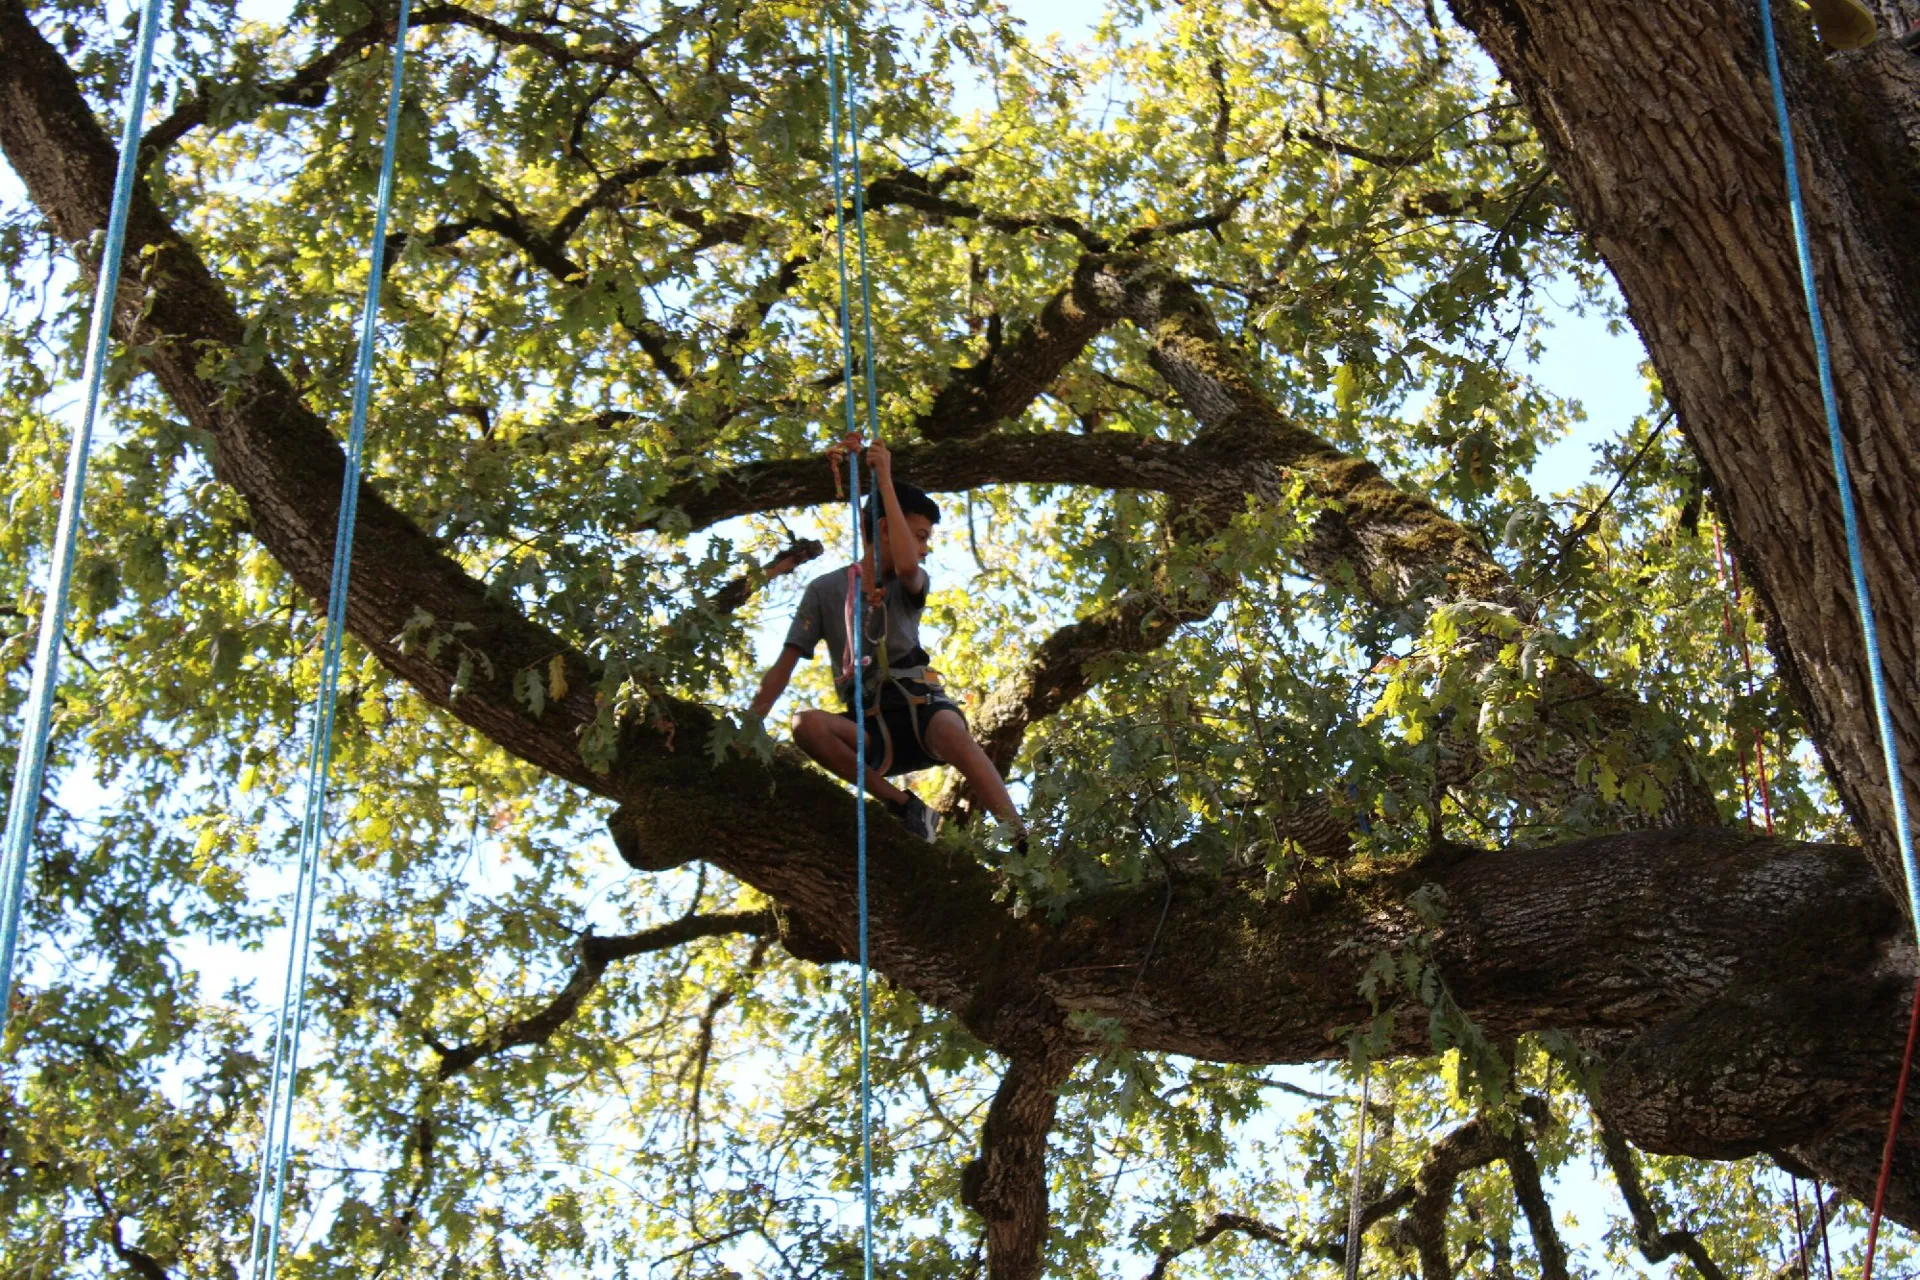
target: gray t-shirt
<point>822,615</point>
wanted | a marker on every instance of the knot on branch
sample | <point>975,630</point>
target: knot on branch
<point>635,838</point>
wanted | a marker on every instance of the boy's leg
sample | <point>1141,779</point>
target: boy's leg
<point>947,736</point>
<point>830,739</point>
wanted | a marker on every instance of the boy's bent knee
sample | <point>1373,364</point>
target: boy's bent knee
<point>947,734</point>
<point>807,727</point>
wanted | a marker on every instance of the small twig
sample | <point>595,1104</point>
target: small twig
<point>1586,521</point>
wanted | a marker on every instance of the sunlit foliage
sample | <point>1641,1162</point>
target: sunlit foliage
<point>614,271</point>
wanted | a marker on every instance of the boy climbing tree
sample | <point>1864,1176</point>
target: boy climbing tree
<point>911,723</point>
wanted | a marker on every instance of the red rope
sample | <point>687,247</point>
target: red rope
<point>1893,1132</point>
<point>1913,1019</point>
<point>1731,577</point>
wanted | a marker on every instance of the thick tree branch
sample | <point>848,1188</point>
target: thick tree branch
<point>1392,548</point>
<point>1007,1183</point>
<point>737,590</point>
<point>1655,1244</point>
<point>1064,665</point>
<point>1108,459</point>
<point>1524,1170</point>
<point>1473,1145</point>
<point>546,250</point>
<point>308,86</point>
<point>1479,1142</point>
<point>1011,375</point>
<point>615,185</point>
<point>596,954</point>
<point>1220,1225</point>
<point>913,191</point>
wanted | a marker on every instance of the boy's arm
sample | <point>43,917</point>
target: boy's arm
<point>774,683</point>
<point>905,548</point>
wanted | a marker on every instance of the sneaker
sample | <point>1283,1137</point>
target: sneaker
<point>917,818</point>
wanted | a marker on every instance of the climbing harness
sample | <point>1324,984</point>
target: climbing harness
<point>917,686</point>
<point>29,775</point>
<point>1883,717</point>
<point>269,1197</point>
<point>854,633</point>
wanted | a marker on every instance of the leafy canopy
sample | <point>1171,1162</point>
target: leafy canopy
<point>613,272</point>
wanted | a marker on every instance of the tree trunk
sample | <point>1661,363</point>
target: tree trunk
<point>1007,1183</point>
<point>1659,118</point>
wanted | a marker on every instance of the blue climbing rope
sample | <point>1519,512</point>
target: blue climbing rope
<point>1803,246</point>
<point>866,281</point>
<point>858,615</point>
<point>1876,670</point>
<point>29,774</point>
<point>270,1197</point>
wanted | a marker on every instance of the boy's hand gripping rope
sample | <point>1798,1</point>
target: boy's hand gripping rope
<point>29,775</point>
<point>270,1195</point>
<point>1843,477</point>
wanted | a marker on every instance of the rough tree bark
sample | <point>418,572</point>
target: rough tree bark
<point>1659,119</point>
<point>1665,947</point>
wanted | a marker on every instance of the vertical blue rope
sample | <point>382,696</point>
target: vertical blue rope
<point>1876,670</point>
<point>872,432</point>
<point>866,283</point>
<point>270,1198</point>
<point>873,537</point>
<point>29,774</point>
<point>859,627</point>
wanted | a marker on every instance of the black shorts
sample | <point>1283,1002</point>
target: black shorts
<point>910,755</point>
